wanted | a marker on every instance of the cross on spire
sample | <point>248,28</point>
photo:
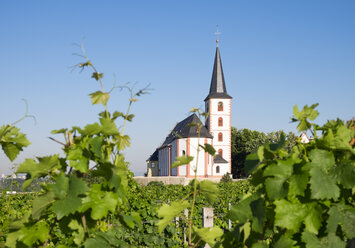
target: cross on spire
<point>218,86</point>
<point>217,34</point>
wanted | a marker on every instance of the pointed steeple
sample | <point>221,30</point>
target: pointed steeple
<point>218,86</point>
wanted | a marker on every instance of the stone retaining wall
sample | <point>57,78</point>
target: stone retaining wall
<point>173,180</point>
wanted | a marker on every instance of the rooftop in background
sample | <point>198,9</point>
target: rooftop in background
<point>218,86</point>
<point>187,128</point>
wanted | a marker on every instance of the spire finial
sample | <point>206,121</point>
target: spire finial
<point>217,33</point>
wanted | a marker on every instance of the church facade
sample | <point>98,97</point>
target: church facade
<point>185,137</point>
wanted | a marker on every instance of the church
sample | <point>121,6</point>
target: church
<point>185,137</point>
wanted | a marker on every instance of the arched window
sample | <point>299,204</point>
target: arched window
<point>220,122</point>
<point>217,169</point>
<point>220,137</point>
<point>220,152</point>
<point>183,152</point>
<point>220,106</point>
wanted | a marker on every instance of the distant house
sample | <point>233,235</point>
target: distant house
<point>152,164</point>
<point>304,138</point>
<point>184,139</point>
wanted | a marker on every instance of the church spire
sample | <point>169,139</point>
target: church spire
<point>218,86</point>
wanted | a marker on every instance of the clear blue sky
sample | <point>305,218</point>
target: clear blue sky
<point>275,54</point>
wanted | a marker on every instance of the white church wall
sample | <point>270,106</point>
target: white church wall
<point>194,142</point>
<point>214,105</point>
<point>225,129</point>
<point>182,149</point>
<point>224,145</point>
<point>223,169</point>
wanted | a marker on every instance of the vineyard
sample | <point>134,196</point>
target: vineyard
<point>146,201</point>
<point>299,197</point>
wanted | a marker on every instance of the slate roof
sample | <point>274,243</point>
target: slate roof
<point>218,159</point>
<point>154,156</point>
<point>218,86</point>
<point>186,129</point>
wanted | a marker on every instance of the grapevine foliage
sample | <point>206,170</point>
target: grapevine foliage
<point>12,141</point>
<point>304,198</point>
<point>144,200</point>
<point>67,204</point>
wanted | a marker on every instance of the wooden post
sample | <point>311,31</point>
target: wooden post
<point>186,213</point>
<point>229,221</point>
<point>176,219</point>
<point>207,219</point>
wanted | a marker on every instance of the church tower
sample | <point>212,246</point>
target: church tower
<point>218,105</point>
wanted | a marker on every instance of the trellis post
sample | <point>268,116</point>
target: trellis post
<point>207,219</point>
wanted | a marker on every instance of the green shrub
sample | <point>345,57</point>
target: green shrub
<point>156,184</point>
<point>226,178</point>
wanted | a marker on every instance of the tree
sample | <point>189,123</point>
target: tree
<point>245,142</point>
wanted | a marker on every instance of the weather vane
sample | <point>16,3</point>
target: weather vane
<point>217,33</point>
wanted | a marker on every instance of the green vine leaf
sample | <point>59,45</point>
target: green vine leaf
<point>96,145</point>
<point>97,75</point>
<point>108,127</point>
<point>99,97</point>
<point>79,235</point>
<point>129,117</point>
<point>69,200</point>
<point>242,212</point>
<point>209,149</point>
<point>280,172</point>
<point>303,116</point>
<point>182,160</point>
<point>251,162</point>
<point>56,131</point>
<point>100,202</point>
<point>12,141</point>
<point>259,212</point>
<point>289,215</point>
<point>345,174</point>
<point>343,215</point>
<point>285,242</point>
<point>167,213</point>
<point>38,169</point>
<point>40,203</point>
<point>332,241</point>
<point>340,139</point>
<point>209,235</point>
<point>323,183</point>
<point>209,189</point>
<point>123,141</point>
<point>92,129</point>
<point>117,114</point>
<point>29,235</point>
<point>78,159</point>
<point>298,183</point>
<point>313,218</point>
<point>310,239</point>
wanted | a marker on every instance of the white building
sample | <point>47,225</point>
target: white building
<point>304,138</point>
<point>185,139</point>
